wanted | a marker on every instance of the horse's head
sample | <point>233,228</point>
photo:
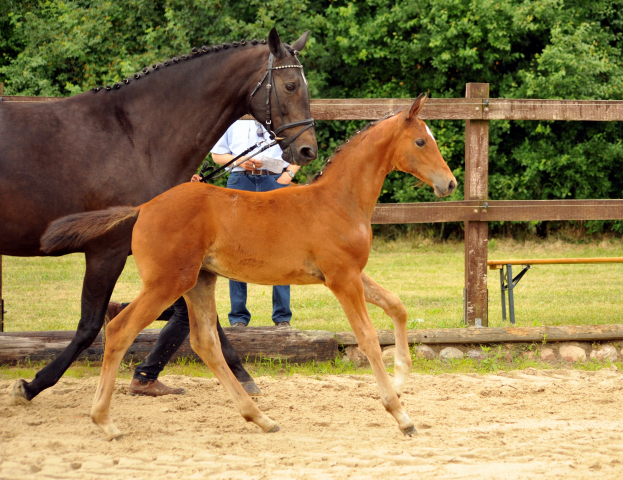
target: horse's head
<point>417,152</point>
<point>283,107</point>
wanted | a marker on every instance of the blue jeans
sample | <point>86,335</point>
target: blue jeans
<point>238,290</point>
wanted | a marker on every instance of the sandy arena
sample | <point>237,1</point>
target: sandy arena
<point>525,424</point>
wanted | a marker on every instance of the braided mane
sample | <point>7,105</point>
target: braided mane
<point>194,53</point>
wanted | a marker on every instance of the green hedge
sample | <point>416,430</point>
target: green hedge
<point>371,49</point>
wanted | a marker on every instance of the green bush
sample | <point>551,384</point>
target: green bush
<point>567,49</point>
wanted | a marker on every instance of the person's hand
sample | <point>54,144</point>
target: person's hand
<point>284,179</point>
<point>252,164</point>
<point>195,178</point>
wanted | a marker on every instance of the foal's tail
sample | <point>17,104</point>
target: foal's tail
<point>73,231</point>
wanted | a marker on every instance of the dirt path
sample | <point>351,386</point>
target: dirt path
<point>550,424</point>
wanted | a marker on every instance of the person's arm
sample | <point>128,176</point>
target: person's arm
<point>249,164</point>
<point>285,178</point>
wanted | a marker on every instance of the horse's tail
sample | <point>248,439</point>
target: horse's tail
<point>73,231</point>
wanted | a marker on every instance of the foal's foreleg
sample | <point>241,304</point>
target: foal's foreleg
<point>205,341</point>
<point>394,308</point>
<point>349,291</point>
<point>120,333</point>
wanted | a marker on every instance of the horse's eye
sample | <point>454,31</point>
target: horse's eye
<point>290,87</point>
<point>420,142</point>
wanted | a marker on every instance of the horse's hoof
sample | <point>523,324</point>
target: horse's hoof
<point>275,428</point>
<point>409,431</point>
<point>114,438</point>
<point>251,388</point>
<point>113,433</point>
<point>20,397</point>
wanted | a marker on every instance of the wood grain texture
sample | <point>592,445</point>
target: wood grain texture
<point>473,108</point>
<point>580,110</point>
<point>251,343</point>
<point>498,210</point>
<point>291,344</point>
<point>476,232</point>
<point>497,264</point>
<point>497,335</point>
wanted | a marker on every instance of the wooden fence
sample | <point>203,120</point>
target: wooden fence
<point>477,109</point>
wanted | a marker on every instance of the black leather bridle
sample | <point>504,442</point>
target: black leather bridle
<point>274,135</point>
<point>269,87</point>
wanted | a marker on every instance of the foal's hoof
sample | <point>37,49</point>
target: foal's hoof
<point>275,428</point>
<point>409,431</point>
<point>112,433</point>
<point>251,388</point>
<point>20,396</point>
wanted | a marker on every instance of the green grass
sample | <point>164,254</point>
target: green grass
<point>283,368</point>
<point>44,293</point>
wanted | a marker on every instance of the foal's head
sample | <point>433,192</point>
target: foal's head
<point>417,152</point>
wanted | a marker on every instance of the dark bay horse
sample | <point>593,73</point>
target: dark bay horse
<point>126,143</point>
<point>187,236</point>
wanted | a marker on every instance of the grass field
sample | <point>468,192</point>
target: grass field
<point>44,293</point>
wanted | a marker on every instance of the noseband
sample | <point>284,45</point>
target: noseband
<point>269,87</point>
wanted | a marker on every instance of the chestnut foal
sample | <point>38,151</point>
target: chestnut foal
<point>186,237</point>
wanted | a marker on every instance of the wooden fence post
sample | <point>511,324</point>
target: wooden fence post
<point>1,299</point>
<point>475,294</point>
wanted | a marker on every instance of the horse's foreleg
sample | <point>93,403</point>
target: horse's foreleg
<point>103,267</point>
<point>349,291</point>
<point>394,308</point>
<point>120,333</point>
<point>204,340</point>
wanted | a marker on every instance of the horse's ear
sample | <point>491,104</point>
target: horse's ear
<point>417,106</point>
<point>275,45</point>
<point>300,43</point>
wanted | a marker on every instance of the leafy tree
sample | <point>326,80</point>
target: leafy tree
<point>369,49</point>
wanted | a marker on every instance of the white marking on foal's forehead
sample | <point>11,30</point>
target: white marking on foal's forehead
<point>430,133</point>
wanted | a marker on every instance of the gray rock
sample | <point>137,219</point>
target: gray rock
<point>450,353</point>
<point>605,353</point>
<point>389,353</point>
<point>548,355</point>
<point>529,355</point>
<point>356,356</point>
<point>424,351</point>
<point>571,353</point>
<point>477,355</point>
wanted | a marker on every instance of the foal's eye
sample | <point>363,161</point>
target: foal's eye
<point>290,87</point>
<point>420,142</point>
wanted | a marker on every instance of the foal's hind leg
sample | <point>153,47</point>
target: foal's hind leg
<point>394,308</point>
<point>104,264</point>
<point>349,290</point>
<point>121,332</point>
<point>204,340</point>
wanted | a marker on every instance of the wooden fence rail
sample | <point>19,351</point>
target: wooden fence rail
<point>476,210</point>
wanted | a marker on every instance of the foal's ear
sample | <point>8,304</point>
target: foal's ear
<point>275,45</point>
<point>300,43</point>
<point>417,106</point>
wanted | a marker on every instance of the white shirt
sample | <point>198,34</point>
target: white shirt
<point>242,135</point>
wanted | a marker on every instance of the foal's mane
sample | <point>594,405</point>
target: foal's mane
<point>194,53</point>
<point>339,150</point>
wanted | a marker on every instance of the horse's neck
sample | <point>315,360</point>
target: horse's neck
<point>183,109</point>
<point>356,174</point>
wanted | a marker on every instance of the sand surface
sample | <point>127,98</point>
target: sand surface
<point>527,424</point>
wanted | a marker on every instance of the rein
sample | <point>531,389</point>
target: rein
<point>309,122</point>
<point>212,175</point>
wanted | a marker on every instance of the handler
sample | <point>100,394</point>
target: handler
<point>263,174</point>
